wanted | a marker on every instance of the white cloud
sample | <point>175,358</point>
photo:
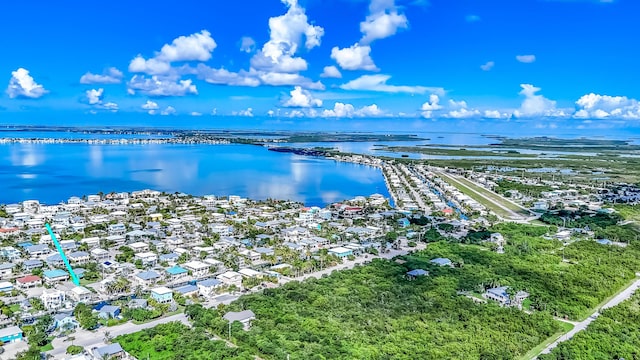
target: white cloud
<point>527,59</point>
<point>286,33</point>
<point>248,112</point>
<point>463,113</point>
<point>331,72</point>
<point>379,83</point>
<point>109,76</point>
<point>604,106</point>
<point>495,114</point>
<point>283,79</point>
<point>247,44</point>
<point>150,106</point>
<point>342,110</point>
<point>356,57</point>
<point>536,105</point>
<point>430,106</point>
<point>169,110</point>
<point>457,104</point>
<point>301,98</point>
<point>383,21</point>
<point>23,85</point>
<point>110,106</point>
<point>487,66</point>
<point>194,47</point>
<point>94,96</point>
<point>195,113</point>
<point>157,86</point>
<point>225,77</point>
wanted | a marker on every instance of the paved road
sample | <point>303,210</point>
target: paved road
<point>622,296</point>
<point>89,339</point>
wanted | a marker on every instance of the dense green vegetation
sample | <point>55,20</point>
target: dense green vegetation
<point>175,341</point>
<point>375,312</point>
<point>462,152</point>
<point>613,335</point>
<point>505,186</point>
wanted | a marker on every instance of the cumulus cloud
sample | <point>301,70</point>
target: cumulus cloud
<point>22,85</point>
<point>248,112</point>
<point>284,79</point>
<point>150,106</point>
<point>430,106</point>
<point>159,87</point>
<point>223,76</point>
<point>355,57</point>
<point>597,106</point>
<point>301,98</point>
<point>169,110</point>
<point>94,96</point>
<point>331,72</point>
<point>342,110</point>
<point>383,21</point>
<point>536,105</point>
<point>194,47</point>
<point>247,44</point>
<point>463,113</point>
<point>110,106</point>
<point>285,38</point>
<point>495,114</point>
<point>527,59</point>
<point>487,66</point>
<point>379,83</point>
<point>109,76</point>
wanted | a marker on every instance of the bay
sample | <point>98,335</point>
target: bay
<point>53,172</point>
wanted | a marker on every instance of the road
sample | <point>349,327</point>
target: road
<point>620,297</point>
<point>89,339</point>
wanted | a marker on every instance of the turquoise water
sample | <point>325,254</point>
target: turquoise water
<point>53,172</point>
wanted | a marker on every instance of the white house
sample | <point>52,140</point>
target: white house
<point>198,268</point>
<point>52,299</point>
<point>231,278</point>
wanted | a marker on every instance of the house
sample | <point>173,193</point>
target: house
<point>176,273</point>
<point>198,268</point>
<point>414,274</point>
<point>5,287</point>
<point>496,238</point>
<point>500,295</point>
<point>231,278</point>
<point>250,273</point>
<point>116,229</point>
<point>109,312</point>
<point>6,270</point>
<point>147,278</point>
<point>341,252</point>
<point>208,287</point>
<point>10,334</point>
<point>37,250</point>
<point>162,294</point>
<point>112,352</point>
<point>100,254</point>
<point>403,223</point>
<point>28,282</point>
<point>138,304</point>
<point>52,299</point>
<point>187,290</point>
<point>31,264</point>
<point>245,317</point>
<point>65,321</point>
<point>54,276</point>
<point>147,258</point>
<point>139,247</point>
<point>81,294</point>
<point>442,262</point>
<point>78,257</point>
<point>171,258</point>
<point>92,242</point>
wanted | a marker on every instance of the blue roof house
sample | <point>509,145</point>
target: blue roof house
<point>413,274</point>
<point>404,222</point>
<point>11,334</point>
<point>109,311</point>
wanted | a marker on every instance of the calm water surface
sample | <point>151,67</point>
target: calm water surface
<point>54,172</point>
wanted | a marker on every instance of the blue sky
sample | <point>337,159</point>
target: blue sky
<point>445,59</point>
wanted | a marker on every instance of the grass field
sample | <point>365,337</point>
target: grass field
<point>481,199</point>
